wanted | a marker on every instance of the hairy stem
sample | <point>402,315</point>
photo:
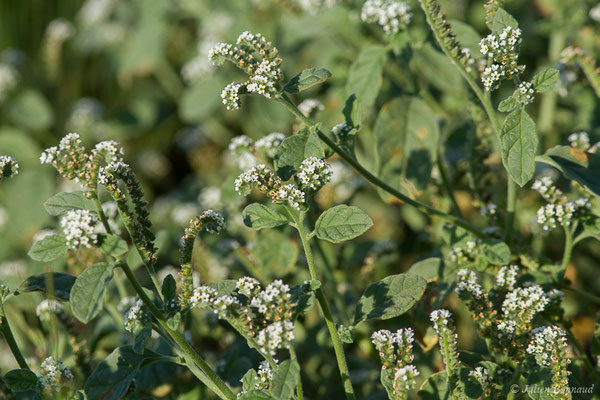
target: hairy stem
<point>324,305</point>
<point>10,339</point>
<point>294,357</point>
<point>511,204</point>
<point>289,104</point>
<point>568,249</point>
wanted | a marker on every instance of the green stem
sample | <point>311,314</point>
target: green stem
<point>447,358</point>
<point>446,184</point>
<point>568,249</point>
<point>212,380</point>
<point>289,104</point>
<point>10,339</point>
<point>294,357</point>
<point>548,102</point>
<point>582,293</point>
<point>511,204</point>
<point>337,343</point>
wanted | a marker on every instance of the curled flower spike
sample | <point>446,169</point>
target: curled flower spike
<point>111,150</point>
<point>53,375</point>
<point>545,187</point>
<point>524,93</point>
<point>213,222</point>
<point>444,327</point>
<point>264,73</point>
<point>522,304</point>
<point>79,228</point>
<point>289,194</point>
<point>549,347</point>
<point>9,167</point>
<point>265,315</point>
<point>391,15</point>
<point>260,177</point>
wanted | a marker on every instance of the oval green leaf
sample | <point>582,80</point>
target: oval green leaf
<point>49,248</point>
<point>342,223</point>
<point>87,295</point>
<point>259,216</point>
<point>519,142</point>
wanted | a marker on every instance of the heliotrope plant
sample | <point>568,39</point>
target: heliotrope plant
<point>513,296</point>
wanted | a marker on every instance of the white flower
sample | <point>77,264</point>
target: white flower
<point>545,343</point>
<point>231,96</point>
<point>8,167</point>
<point>136,317</point>
<point>480,375</point>
<point>49,307</point>
<point>404,377</point>
<point>440,319</point>
<point>53,372</point>
<point>111,150</point>
<point>524,303</point>
<point>467,282</point>
<point>507,277</point>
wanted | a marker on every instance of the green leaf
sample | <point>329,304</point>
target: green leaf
<point>112,245</point>
<point>364,77</point>
<point>307,79</point>
<point>519,142</point>
<point>259,216</point>
<point>59,283</point>
<point>508,104</point>
<point>352,111</point>
<point>435,387</point>
<point>174,320</point>
<point>429,268</point>
<point>285,379</point>
<point>539,383</point>
<point>342,223</point>
<point>141,338</point>
<point>545,79</point>
<point>496,251</point>
<point>346,334</point>
<point>87,295</point>
<point>65,201</point>
<point>387,380</point>
<point>501,20</point>
<point>21,380</point>
<point>295,149</point>
<point>390,297</point>
<point>111,378</point>
<point>169,288</point>
<point>249,380</point>
<point>582,167</point>
<point>275,252</point>
<point>49,248</point>
<point>407,135</point>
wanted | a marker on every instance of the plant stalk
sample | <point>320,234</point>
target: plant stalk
<point>337,343</point>
<point>10,339</point>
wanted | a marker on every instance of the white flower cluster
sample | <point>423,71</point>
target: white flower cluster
<point>308,106</point>
<point>9,79</point>
<point>240,144</point>
<point>507,277</point>
<point>272,324</point>
<point>217,54</point>
<point>70,142</point>
<point>136,317</point>
<point>402,337</point>
<point>290,194</point>
<point>547,342</point>
<point>8,167</point>
<point>580,140</point>
<point>391,15</point>
<point>404,378</point>
<point>440,319</point>
<point>313,6</point>
<point>269,144</point>
<point>467,282</point>
<point>480,375</point>
<point>341,130</point>
<point>265,377</point>
<point>460,255</point>
<point>111,150</point>
<point>264,79</point>
<point>550,214</point>
<point>502,49</point>
<point>524,93</point>
<point>105,172</point>
<point>79,228</point>
<point>314,173</point>
<point>259,176</point>
<point>523,303</point>
<point>231,96</point>
<point>545,187</point>
<point>53,373</point>
<point>49,307</point>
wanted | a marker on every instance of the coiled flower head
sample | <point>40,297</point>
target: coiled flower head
<point>137,317</point>
<point>503,51</point>
<point>522,304</point>
<point>549,347</point>
<point>79,228</point>
<point>507,277</point>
